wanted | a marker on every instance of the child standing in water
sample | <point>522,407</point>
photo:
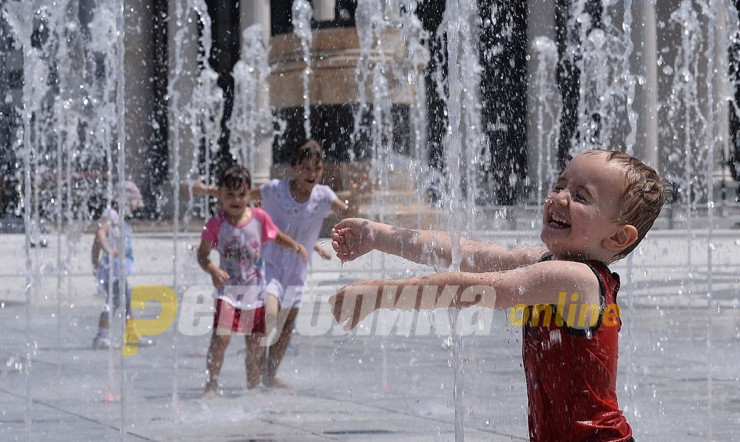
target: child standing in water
<point>239,233</point>
<point>107,270</point>
<point>599,210</point>
<point>298,207</point>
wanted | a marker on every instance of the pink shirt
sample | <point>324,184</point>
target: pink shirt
<point>240,251</point>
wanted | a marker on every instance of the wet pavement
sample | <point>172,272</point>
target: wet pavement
<point>392,379</point>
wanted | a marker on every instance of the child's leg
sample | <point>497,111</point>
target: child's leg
<point>277,350</point>
<point>252,359</point>
<point>112,302</point>
<point>104,322</point>
<point>131,332</point>
<point>102,338</point>
<point>272,308</point>
<point>215,360</point>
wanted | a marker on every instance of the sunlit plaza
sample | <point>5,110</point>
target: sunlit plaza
<point>453,115</point>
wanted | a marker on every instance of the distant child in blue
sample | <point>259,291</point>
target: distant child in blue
<point>107,269</point>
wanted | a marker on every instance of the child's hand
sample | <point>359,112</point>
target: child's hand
<point>301,251</point>
<point>352,238</point>
<point>354,302</point>
<point>201,188</point>
<point>115,252</point>
<point>289,243</point>
<point>323,252</point>
<point>219,277</point>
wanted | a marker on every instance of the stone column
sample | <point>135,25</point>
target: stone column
<point>139,88</point>
<point>182,44</point>
<point>540,24</point>
<point>726,86</point>
<point>252,12</point>
<point>323,10</point>
<point>256,11</point>
<point>649,96</point>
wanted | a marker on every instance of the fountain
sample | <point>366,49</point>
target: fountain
<point>652,80</point>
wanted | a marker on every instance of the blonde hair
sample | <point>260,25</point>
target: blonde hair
<point>643,197</point>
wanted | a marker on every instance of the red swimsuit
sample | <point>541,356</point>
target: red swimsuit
<point>572,377</point>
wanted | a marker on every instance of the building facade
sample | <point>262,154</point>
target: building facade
<point>550,79</point>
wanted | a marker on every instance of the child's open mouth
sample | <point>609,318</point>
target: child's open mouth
<point>558,222</point>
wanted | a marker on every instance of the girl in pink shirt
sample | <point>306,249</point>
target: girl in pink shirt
<point>238,233</point>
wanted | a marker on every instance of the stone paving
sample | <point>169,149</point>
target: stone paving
<point>678,357</point>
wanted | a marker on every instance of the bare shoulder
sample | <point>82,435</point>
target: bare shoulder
<point>556,276</point>
<point>487,256</point>
<point>525,256</point>
<point>563,267</point>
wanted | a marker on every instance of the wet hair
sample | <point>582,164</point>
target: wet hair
<point>234,177</point>
<point>643,197</point>
<point>310,150</point>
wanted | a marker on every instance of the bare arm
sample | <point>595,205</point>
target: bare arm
<point>353,237</point>
<point>343,208</point>
<point>255,195</point>
<point>541,283</point>
<point>286,241</point>
<point>101,237</point>
<point>218,276</point>
<point>322,252</point>
<point>201,188</point>
<point>95,253</point>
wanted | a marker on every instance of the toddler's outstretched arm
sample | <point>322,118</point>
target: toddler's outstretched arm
<point>353,237</point>
<point>541,283</point>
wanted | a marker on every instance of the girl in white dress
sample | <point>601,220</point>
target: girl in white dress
<point>298,207</point>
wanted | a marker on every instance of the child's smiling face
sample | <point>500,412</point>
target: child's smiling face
<point>235,201</point>
<point>581,211</point>
<point>308,173</point>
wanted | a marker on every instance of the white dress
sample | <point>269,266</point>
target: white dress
<point>285,271</point>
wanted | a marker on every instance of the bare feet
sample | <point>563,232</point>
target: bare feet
<point>209,394</point>
<point>253,379</point>
<point>276,382</point>
<point>253,374</point>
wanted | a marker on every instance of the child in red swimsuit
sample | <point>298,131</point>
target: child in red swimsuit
<point>601,207</point>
